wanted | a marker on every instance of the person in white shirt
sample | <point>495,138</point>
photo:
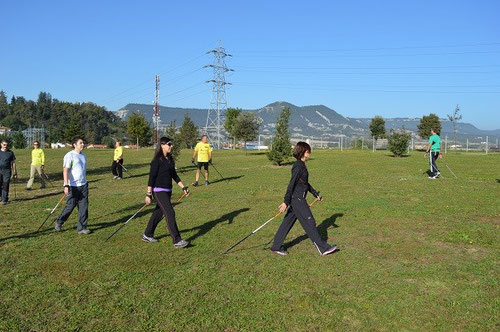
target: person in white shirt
<point>75,187</point>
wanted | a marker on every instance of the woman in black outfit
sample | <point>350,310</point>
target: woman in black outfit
<point>295,201</point>
<point>161,174</point>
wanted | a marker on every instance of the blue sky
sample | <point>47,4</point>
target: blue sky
<point>361,58</point>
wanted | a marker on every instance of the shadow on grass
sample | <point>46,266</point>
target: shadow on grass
<point>498,180</point>
<point>401,156</point>
<point>185,169</point>
<point>131,176</point>
<point>206,227</point>
<point>322,229</point>
<point>38,196</point>
<point>228,179</point>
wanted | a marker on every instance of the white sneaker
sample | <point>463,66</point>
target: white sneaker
<point>432,177</point>
<point>149,239</point>
<point>181,244</point>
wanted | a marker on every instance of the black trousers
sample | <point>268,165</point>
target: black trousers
<point>117,169</point>
<point>78,196</point>
<point>163,208</point>
<point>299,210</point>
<point>432,159</point>
<point>5,183</point>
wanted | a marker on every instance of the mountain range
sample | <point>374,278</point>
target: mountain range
<point>313,120</point>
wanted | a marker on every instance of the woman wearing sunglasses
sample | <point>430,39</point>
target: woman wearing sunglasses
<point>162,172</point>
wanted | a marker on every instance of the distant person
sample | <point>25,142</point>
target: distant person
<point>162,172</point>
<point>37,165</point>
<point>8,170</point>
<point>295,201</point>
<point>204,152</point>
<point>76,187</point>
<point>116,167</point>
<point>434,147</point>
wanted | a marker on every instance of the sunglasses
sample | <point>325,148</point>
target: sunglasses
<point>168,143</point>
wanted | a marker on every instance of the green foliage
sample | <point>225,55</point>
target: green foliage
<point>231,115</point>
<point>454,118</point>
<point>426,123</point>
<point>109,142</point>
<point>246,127</point>
<point>188,133</point>
<point>94,121</point>
<point>72,131</point>
<point>139,129</point>
<point>281,147</point>
<point>7,138</point>
<point>18,140</point>
<point>357,143</point>
<point>176,139</point>
<point>377,127</point>
<point>398,142</point>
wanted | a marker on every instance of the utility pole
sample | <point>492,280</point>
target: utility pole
<point>156,110</point>
<point>218,104</point>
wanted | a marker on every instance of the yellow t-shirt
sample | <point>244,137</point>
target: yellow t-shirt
<point>118,153</point>
<point>37,157</point>
<point>203,150</point>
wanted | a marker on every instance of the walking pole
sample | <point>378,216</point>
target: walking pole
<point>15,190</point>
<point>126,170</point>
<point>183,195</point>
<point>449,168</point>
<point>142,208</point>
<point>219,173</point>
<point>47,177</point>
<point>55,207</point>
<point>257,229</point>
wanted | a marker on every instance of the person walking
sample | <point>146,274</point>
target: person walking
<point>204,152</point>
<point>162,172</point>
<point>295,201</point>
<point>434,147</point>
<point>116,167</point>
<point>76,187</point>
<point>37,165</point>
<point>8,170</point>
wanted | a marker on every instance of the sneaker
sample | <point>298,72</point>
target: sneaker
<point>432,177</point>
<point>5,202</point>
<point>84,231</point>
<point>43,186</point>
<point>329,251</point>
<point>207,183</point>
<point>115,177</point>
<point>58,227</point>
<point>118,178</point>
<point>281,252</point>
<point>149,239</point>
<point>438,174</point>
<point>28,188</point>
<point>195,184</point>
<point>181,244</point>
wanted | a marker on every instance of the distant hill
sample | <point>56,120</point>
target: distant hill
<point>313,120</point>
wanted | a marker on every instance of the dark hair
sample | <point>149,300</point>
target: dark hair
<point>204,136</point>
<point>5,141</point>
<point>75,140</point>
<point>300,149</point>
<point>434,129</point>
<point>36,142</point>
<point>159,151</point>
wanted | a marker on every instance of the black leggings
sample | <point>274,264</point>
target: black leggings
<point>163,208</point>
<point>117,169</point>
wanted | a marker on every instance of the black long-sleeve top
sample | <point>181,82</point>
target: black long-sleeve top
<point>299,183</point>
<point>161,173</point>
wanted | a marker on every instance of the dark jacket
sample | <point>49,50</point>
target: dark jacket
<point>161,173</point>
<point>299,183</point>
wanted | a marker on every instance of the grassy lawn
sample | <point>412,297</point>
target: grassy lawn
<point>416,254</point>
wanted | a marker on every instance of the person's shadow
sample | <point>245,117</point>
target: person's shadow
<point>322,229</point>
<point>206,227</point>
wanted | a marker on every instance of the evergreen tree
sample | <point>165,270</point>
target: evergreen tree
<point>454,118</point>
<point>281,147</point>
<point>246,127</point>
<point>176,139</point>
<point>398,142</point>
<point>426,123</point>
<point>188,133</point>
<point>18,140</point>
<point>139,129</point>
<point>377,127</point>
<point>73,130</point>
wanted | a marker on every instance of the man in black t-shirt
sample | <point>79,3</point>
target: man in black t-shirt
<point>7,170</point>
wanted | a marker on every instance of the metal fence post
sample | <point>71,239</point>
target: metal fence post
<point>446,144</point>
<point>467,145</point>
<point>486,144</point>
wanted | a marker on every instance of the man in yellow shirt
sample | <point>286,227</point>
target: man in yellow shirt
<point>37,165</point>
<point>204,152</point>
<point>116,167</point>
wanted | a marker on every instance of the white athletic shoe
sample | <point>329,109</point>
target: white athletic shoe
<point>432,177</point>
<point>181,244</point>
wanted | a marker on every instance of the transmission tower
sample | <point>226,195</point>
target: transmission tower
<point>218,103</point>
<point>156,110</point>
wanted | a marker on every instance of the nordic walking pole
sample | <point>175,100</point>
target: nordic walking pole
<point>142,208</point>
<point>183,195</point>
<point>219,172</point>
<point>449,169</point>
<point>15,190</point>
<point>55,207</point>
<point>257,229</point>
<point>126,170</point>
<point>47,177</point>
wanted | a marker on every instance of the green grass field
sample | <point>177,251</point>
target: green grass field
<point>416,254</point>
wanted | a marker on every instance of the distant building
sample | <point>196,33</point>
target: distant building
<point>4,130</point>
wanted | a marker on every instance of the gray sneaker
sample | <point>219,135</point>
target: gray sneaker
<point>149,239</point>
<point>181,244</point>
<point>58,227</point>
<point>281,252</point>
<point>84,231</point>
<point>329,251</point>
